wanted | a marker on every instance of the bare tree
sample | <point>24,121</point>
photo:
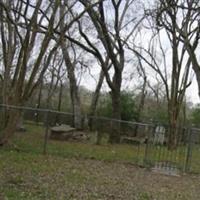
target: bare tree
<point>176,82</point>
<point>186,22</point>
<point>71,66</point>
<point>141,73</point>
<point>26,73</point>
<point>177,18</point>
<point>53,75</point>
<point>96,94</point>
<point>110,39</point>
<point>94,100</point>
<point>26,27</point>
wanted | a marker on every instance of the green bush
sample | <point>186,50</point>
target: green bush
<point>128,107</point>
<point>195,118</point>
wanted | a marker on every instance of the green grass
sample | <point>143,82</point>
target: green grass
<point>31,176</point>
<point>33,141</point>
<point>74,170</point>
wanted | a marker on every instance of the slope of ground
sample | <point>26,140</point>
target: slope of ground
<point>84,171</point>
<point>31,176</point>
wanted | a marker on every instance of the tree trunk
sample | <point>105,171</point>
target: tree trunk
<point>5,95</point>
<point>60,97</point>
<point>116,115</point>
<point>70,65</point>
<point>74,93</point>
<point>95,99</point>
<point>195,64</point>
<point>8,132</point>
<point>59,104</point>
<point>173,128</point>
<point>175,101</point>
<point>141,105</point>
<point>173,136</point>
<point>77,122</point>
<point>39,101</point>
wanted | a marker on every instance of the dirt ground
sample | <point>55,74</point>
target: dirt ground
<point>40,177</point>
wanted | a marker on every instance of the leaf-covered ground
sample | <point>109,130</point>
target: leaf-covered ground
<point>74,170</point>
<point>32,176</point>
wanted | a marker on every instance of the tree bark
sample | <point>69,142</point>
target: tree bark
<point>116,115</point>
<point>95,99</point>
<point>173,135</point>
<point>26,68</point>
<point>141,105</point>
<point>39,101</point>
<point>74,93</point>
<point>59,103</point>
<point>173,125</point>
<point>114,48</point>
<point>116,108</point>
<point>8,132</point>
<point>60,97</point>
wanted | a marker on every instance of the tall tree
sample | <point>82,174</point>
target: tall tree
<point>186,22</point>
<point>21,73</point>
<point>174,73</point>
<point>71,68</point>
<point>96,94</point>
<point>109,34</point>
<point>178,23</point>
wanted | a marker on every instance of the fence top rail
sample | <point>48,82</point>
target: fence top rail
<point>34,109</point>
<point>67,113</point>
<point>90,117</point>
<point>195,129</point>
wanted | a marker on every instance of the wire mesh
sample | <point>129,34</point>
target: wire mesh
<point>149,143</point>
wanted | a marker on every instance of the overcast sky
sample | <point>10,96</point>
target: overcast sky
<point>192,92</point>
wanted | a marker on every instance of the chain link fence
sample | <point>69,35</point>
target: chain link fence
<point>147,141</point>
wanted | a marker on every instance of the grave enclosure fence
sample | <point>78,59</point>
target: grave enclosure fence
<point>148,141</point>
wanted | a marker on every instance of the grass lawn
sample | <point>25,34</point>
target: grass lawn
<point>33,141</point>
<point>84,171</point>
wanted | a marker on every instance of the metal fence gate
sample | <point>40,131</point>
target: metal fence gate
<point>159,157</point>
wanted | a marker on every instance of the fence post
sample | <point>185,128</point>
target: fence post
<point>189,151</point>
<point>46,132</point>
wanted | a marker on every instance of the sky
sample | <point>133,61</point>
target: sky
<point>90,83</point>
<point>192,92</point>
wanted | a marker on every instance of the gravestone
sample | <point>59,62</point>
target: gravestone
<point>66,132</point>
<point>159,135</point>
<point>20,124</point>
